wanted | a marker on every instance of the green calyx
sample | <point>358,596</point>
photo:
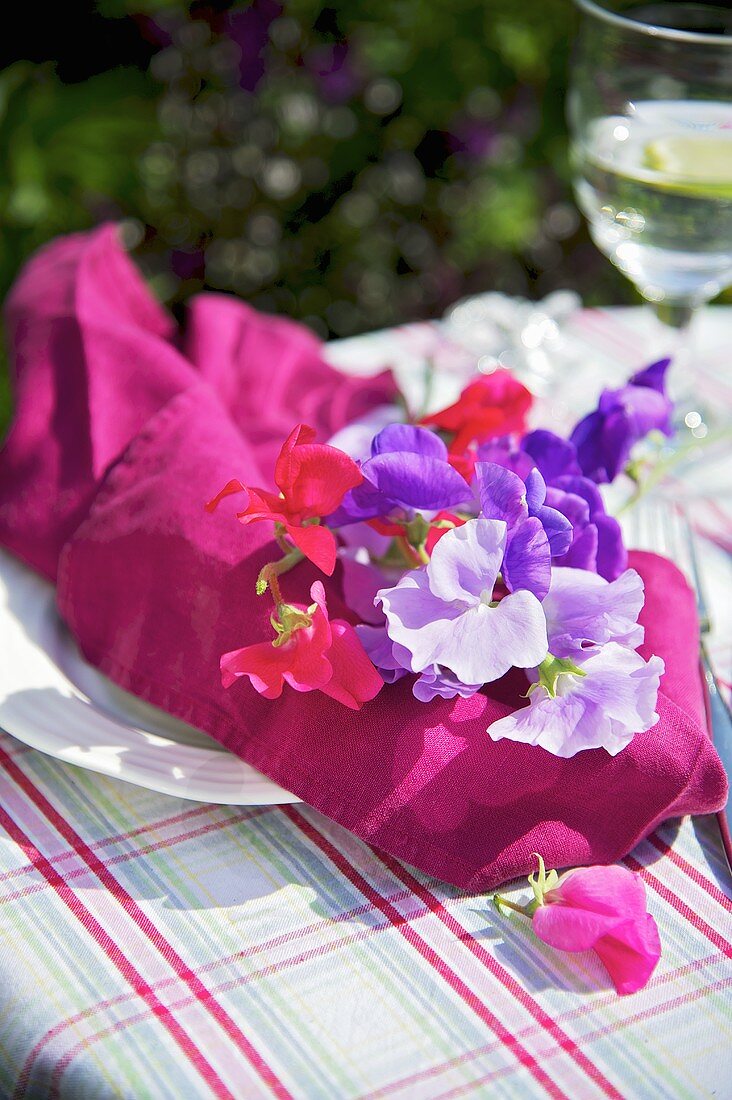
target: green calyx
<point>417,531</point>
<point>289,619</point>
<point>541,882</point>
<point>550,669</point>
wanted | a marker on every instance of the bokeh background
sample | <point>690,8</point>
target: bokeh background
<point>352,165</point>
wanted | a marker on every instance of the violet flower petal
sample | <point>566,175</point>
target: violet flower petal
<point>605,708</point>
<point>436,681</point>
<point>582,608</point>
<point>527,563</point>
<point>552,455</point>
<point>467,560</point>
<point>502,494</point>
<point>408,437</point>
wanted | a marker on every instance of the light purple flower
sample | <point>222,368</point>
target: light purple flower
<point>382,652</point>
<point>437,681</point>
<point>610,698</point>
<point>536,531</point>
<point>584,609</point>
<point>408,471</point>
<point>446,615</point>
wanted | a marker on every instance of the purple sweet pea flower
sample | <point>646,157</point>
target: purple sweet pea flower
<point>605,438</point>
<point>608,698</point>
<point>584,609</point>
<point>549,453</point>
<point>408,471</point>
<point>393,662</point>
<point>382,652</point>
<point>445,614</point>
<point>437,681</point>
<point>553,456</point>
<point>535,530</point>
<point>597,540</point>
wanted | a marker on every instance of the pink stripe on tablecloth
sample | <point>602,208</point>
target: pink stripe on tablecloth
<point>118,960</point>
<point>402,925</point>
<point>565,1017</point>
<point>208,968</point>
<point>125,857</point>
<point>143,922</point>
<point>680,906</point>
<point>691,872</point>
<point>507,980</point>
<point>115,838</point>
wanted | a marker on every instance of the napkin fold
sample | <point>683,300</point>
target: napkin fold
<point>124,429</point>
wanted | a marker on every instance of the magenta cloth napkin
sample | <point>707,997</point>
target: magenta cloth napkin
<point>123,430</point>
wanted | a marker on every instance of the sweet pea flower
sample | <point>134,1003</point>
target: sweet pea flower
<point>393,662</point>
<point>312,479</point>
<point>437,682</point>
<point>408,472</point>
<point>493,405</point>
<point>504,495</point>
<point>309,652</point>
<point>597,539</point>
<point>600,909</point>
<point>446,614</point>
<point>583,609</point>
<point>605,438</point>
<point>599,700</point>
<point>549,453</point>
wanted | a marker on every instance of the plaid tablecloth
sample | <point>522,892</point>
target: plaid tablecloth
<point>157,948</point>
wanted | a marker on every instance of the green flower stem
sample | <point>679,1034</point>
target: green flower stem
<point>525,910</point>
<point>659,471</point>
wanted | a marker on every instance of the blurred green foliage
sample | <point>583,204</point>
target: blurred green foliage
<point>353,165</point>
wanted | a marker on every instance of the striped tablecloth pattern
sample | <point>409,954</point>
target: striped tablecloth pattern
<point>156,948</point>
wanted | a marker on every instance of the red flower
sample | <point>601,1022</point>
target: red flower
<point>313,479</point>
<point>439,526</point>
<point>494,404</point>
<point>310,653</point>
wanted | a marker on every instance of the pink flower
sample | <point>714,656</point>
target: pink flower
<point>312,479</point>
<point>602,909</point>
<point>310,653</point>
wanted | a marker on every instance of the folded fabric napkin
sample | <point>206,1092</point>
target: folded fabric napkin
<point>124,429</point>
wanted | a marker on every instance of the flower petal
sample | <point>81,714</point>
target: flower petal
<point>485,642</point>
<point>502,493</point>
<point>317,543</point>
<point>355,680</point>
<point>630,954</point>
<point>466,561</point>
<point>410,438</point>
<point>415,481</point>
<point>528,560</point>
<point>582,608</point>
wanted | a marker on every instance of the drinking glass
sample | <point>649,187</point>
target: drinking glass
<point>650,115</point>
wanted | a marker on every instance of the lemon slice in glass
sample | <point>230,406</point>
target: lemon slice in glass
<point>697,164</point>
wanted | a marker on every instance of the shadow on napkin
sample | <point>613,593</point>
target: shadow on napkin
<point>123,431</point>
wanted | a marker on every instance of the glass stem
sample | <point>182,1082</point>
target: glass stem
<point>675,315</point>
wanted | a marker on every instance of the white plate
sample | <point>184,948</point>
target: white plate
<point>51,699</point>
